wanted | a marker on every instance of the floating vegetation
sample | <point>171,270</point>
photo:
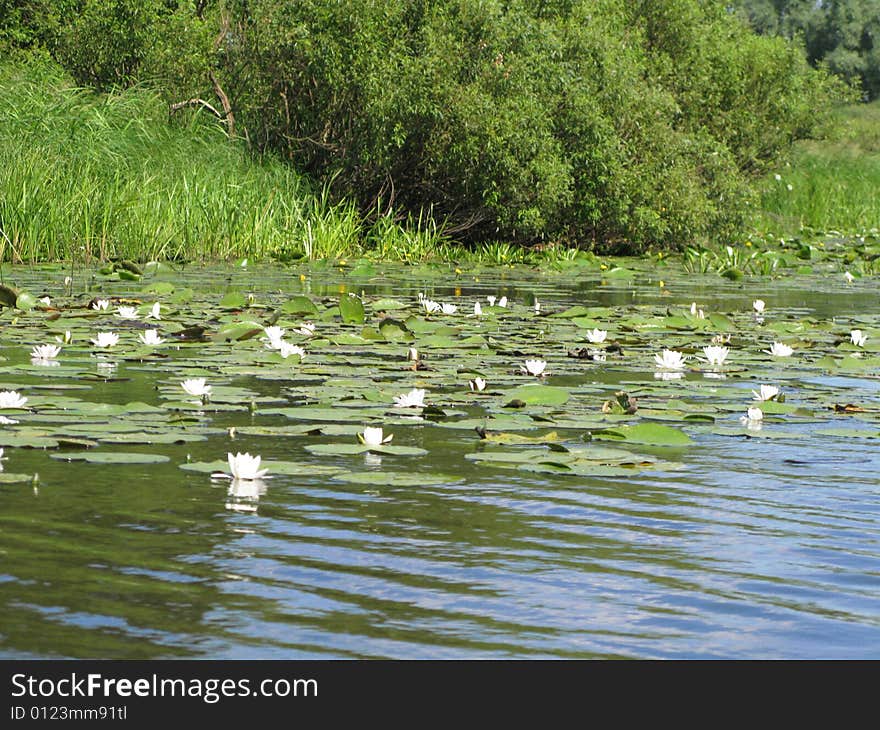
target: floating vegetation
<point>233,364</point>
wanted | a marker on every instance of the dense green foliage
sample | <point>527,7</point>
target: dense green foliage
<point>844,34</point>
<point>626,124</point>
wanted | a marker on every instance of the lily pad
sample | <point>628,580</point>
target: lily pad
<point>111,457</point>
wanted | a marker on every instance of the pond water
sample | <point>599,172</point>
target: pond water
<point>567,527</point>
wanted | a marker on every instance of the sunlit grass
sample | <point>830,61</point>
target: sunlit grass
<point>832,184</point>
<point>86,176</point>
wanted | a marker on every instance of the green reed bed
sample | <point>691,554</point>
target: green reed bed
<point>833,184</point>
<point>94,176</point>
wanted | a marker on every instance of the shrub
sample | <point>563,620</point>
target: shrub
<point>581,121</point>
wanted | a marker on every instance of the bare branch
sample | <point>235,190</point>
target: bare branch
<point>195,102</point>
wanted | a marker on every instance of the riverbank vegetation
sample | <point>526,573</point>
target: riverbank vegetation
<point>399,130</point>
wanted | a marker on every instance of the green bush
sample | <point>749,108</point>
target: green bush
<point>581,121</point>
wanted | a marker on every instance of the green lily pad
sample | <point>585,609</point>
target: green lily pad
<point>351,309</point>
<point>655,434</point>
<point>396,479</point>
<point>110,457</point>
<point>539,395</point>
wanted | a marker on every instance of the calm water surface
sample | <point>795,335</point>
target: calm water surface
<point>755,549</point>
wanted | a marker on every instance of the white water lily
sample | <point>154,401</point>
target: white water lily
<point>858,338</point>
<point>754,416</point>
<point>286,349</point>
<point>491,299</point>
<point>127,312</point>
<point>849,277</point>
<point>431,306</point>
<point>766,392</point>
<point>412,354</point>
<point>596,336</point>
<point>7,421</point>
<point>45,352</point>
<point>196,386</point>
<point>502,302</point>
<point>100,305</point>
<point>534,367</point>
<point>758,305</point>
<point>151,337</point>
<point>448,308</point>
<point>478,310</point>
<point>65,339</point>
<point>307,329</point>
<point>273,336</point>
<point>245,467</point>
<point>12,399</point>
<point>779,349</point>
<point>478,385</point>
<point>105,339</point>
<point>670,360</point>
<point>414,399</point>
<point>716,355</point>
<point>45,301</point>
<point>155,312</point>
<point>373,436</point>
<point>696,312</point>
<point>537,306</point>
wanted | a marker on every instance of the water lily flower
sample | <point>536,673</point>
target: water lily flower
<point>286,349</point>
<point>849,277</point>
<point>273,336</point>
<point>412,354</point>
<point>779,349</point>
<point>534,367</point>
<point>502,302</point>
<point>45,352</point>
<point>596,336</point>
<point>7,421</point>
<point>245,467</point>
<point>767,392</point>
<point>155,312</point>
<point>431,306</point>
<point>598,355</point>
<point>307,329</point>
<point>753,416</point>
<point>491,299</point>
<point>478,310</point>
<point>670,360</point>
<point>65,339</point>
<point>695,312</point>
<point>100,305</point>
<point>858,338</point>
<point>758,305</point>
<point>45,301</point>
<point>196,387</point>
<point>448,308</point>
<point>537,306</point>
<point>414,399</point>
<point>127,312</point>
<point>105,339</point>
<point>151,337</point>
<point>2,459</point>
<point>716,355</point>
<point>373,436</point>
<point>12,399</point>
<point>478,385</point>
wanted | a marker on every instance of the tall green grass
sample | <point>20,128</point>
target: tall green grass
<point>96,176</point>
<point>832,184</point>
